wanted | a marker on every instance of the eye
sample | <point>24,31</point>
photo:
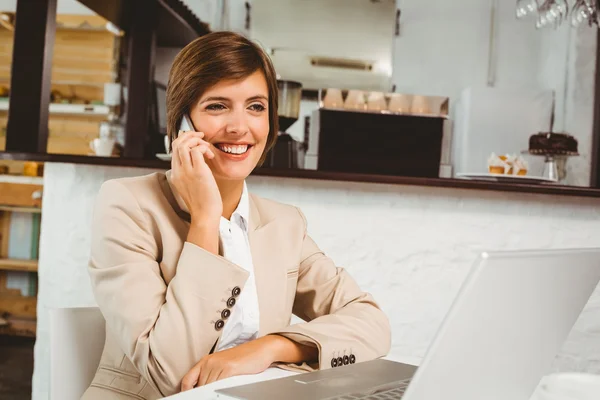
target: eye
<point>215,107</point>
<point>257,107</point>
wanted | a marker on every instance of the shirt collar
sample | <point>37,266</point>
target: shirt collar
<point>243,208</point>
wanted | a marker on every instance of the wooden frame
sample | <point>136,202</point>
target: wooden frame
<point>140,75</point>
<point>35,28</point>
<point>595,173</point>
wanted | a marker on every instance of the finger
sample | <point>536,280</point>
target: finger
<point>191,142</point>
<point>197,155</point>
<point>211,377</point>
<point>175,160</point>
<point>191,378</point>
<point>184,135</point>
<point>227,372</point>
<point>209,154</point>
<point>204,373</point>
<point>185,157</point>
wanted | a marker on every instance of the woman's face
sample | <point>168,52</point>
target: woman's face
<point>234,117</point>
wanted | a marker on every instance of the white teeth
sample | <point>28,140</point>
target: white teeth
<point>238,149</point>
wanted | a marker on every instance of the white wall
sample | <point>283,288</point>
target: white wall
<point>352,29</point>
<point>411,247</point>
<point>444,47</point>
<point>579,101</point>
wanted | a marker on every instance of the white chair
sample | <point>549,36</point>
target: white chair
<point>76,343</point>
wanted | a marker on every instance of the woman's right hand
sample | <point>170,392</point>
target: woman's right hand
<point>194,180</point>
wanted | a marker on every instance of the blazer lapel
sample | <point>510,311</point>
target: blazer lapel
<point>270,289</point>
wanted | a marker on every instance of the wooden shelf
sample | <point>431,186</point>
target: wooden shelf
<point>177,25</point>
<point>18,265</point>
<point>70,109</point>
<point>34,210</point>
<point>25,327</point>
<point>22,179</point>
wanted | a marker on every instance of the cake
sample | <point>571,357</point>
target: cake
<point>552,143</point>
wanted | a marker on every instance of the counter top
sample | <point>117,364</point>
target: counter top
<point>548,189</point>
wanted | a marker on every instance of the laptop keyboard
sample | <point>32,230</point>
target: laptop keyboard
<point>393,392</point>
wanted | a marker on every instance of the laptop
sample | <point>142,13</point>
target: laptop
<point>500,337</point>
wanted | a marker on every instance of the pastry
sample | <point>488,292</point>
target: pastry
<point>497,165</point>
<point>520,166</point>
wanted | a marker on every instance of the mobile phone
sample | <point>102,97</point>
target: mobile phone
<point>186,124</point>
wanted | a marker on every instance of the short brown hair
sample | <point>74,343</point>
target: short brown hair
<point>208,60</point>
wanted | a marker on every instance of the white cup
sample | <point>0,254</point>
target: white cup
<point>420,105</point>
<point>355,100</point>
<point>376,102</point>
<point>399,103</point>
<point>569,386</point>
<point>333,99</point>
<point>102,147</point>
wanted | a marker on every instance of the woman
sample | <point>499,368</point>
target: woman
<point>197,278</point>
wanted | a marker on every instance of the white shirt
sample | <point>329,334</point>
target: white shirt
<point>243,323</point>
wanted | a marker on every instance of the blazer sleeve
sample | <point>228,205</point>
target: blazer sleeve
<point>343,320</point>
<point>163,329</point>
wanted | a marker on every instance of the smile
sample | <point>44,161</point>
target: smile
<point>233,148</point>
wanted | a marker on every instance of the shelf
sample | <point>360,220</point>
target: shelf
<point>18,265</point>
<point>25,180</point>
<point>177,25</point>
<point>24,327</point>
<point>548,189</point>
<point>34,210</point>
<point>70,109</point>
<point>64,83</point>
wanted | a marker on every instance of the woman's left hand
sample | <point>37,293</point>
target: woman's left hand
<point>249,358</point>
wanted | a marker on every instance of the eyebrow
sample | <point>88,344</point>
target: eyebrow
<point>218,98</point>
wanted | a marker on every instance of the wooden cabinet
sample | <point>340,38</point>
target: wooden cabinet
<point>20,220</point>
<point>85,57</point>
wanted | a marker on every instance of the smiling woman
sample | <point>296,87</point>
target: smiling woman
<point>196,277</point>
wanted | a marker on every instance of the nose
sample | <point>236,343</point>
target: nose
<point>237,123</point>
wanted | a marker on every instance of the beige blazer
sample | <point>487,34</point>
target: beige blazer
<point>163,297</point>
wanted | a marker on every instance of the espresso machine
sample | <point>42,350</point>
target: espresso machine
<point>287,152</point>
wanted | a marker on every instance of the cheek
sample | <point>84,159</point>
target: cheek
<point>210,126</point>
<point>260,128</point>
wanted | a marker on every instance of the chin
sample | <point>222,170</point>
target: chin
<point>238,173</point>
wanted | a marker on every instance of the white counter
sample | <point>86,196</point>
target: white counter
<point>411,247</point>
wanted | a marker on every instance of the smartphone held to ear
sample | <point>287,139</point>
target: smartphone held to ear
<point>186,124</point>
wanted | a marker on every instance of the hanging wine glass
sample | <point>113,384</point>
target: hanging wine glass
<point>526,7</point>
<point>579,13</point>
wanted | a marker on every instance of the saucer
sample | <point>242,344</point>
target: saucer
<point>505,178</point>
<point>164,156</point>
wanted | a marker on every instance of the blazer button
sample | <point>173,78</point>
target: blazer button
<point>334,362</point>
<point>352,359</point>
<point>225,313</point>
<point>219,325</point>
<point>346,360</point>
<point>236,291</point>
<point>231,302</point>
<point>340,361</point>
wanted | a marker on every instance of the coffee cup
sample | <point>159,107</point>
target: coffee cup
<point>102,146</point>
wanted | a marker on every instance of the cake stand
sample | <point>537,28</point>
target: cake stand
<point>551,163</point>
